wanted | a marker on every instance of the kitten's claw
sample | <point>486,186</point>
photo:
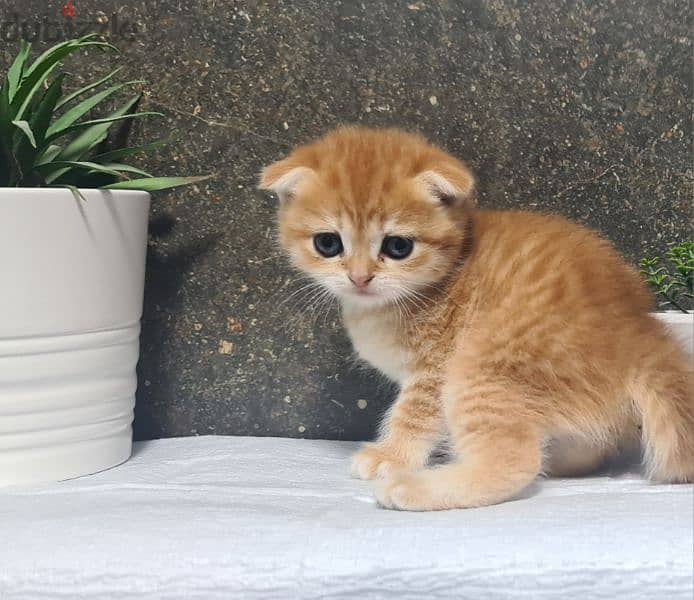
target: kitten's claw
<point>375,462</point>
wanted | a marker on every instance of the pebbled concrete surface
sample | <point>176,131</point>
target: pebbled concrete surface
<point>580,108</point>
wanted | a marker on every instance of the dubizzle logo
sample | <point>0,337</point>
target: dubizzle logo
<point>68,26</point>
<point>68,11</point>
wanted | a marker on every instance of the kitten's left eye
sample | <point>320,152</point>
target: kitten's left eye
<point>397,247</point>
<point>327,244</point>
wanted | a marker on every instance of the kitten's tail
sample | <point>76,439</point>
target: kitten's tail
<point>663,391</point>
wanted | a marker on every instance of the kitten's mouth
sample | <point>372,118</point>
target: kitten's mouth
<point>365,299</point>
<point>363,293</point>
<point>362,297</point>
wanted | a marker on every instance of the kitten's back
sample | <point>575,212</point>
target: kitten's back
<point>559,308</point>
<point>555,263</point>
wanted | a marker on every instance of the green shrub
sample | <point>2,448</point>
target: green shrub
<point>672,280</point>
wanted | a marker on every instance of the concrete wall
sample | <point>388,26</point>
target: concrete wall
<point>579,108</point>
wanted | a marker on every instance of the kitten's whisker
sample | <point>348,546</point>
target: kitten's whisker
<point>307,302</point>
<point>421,300</point>
<point>299,291</point>
<point>317,304</point>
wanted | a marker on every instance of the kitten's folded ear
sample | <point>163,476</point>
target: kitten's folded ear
<point>449,184</point>
<point>283,177</point>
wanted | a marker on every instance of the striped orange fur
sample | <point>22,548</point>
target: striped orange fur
<point>522,340</point>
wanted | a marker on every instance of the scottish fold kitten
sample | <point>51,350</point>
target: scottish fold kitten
<point>521,339</point>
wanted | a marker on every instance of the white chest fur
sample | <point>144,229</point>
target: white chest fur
<point>374,335</point>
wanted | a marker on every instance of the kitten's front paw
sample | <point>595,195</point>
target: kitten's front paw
<point>375,461</point>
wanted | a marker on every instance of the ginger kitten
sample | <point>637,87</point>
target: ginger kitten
<point>521,339</point>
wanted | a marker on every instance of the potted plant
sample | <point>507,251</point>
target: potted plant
<point>73,238</point>
<point>672,280</point>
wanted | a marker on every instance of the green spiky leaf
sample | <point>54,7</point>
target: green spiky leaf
<point>57,165</point>
<point>88,88</point>
<point>42,67</point>
<point>69,119</point>
<point>45,110</point>
<point>125,152</point>
<point>94,135</point>
<point>106,121</point>
<point>16,70</point>
<point>25,128</point>
<point>155,184</point>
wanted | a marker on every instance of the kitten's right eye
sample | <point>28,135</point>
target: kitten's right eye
<point>327,244</point>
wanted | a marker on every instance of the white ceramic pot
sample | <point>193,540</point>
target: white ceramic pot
<point>682,327</point>
<point>71,287</point>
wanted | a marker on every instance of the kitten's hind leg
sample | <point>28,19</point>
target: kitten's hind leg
<point>498,448</point>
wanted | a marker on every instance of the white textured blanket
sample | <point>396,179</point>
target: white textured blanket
<point>224,517</point>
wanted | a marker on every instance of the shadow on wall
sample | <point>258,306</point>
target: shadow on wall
<point>164,280</point>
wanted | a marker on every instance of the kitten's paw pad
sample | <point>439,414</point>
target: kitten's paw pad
<point>374,462</point>
<point>406,491</point>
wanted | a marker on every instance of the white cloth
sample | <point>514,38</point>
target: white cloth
<point>239,517</point>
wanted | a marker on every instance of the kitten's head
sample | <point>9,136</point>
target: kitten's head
<point>374,216</point>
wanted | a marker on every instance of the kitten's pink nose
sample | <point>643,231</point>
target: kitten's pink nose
<point>360,280</point>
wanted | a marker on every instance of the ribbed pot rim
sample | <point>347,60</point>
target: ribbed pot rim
<point>44,190</point>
